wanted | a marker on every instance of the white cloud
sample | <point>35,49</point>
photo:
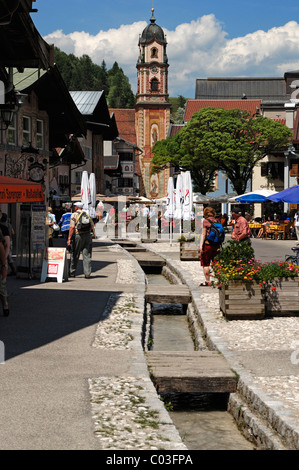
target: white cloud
<point>198,49</point>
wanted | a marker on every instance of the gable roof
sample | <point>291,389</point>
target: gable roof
<point>21,44</point>
<point>93,106</point>
<point>54,97</point>
<point>192,106</point>
<point>86,101</point>
<point>125,120</point>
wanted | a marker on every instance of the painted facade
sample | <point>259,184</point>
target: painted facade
<point>152,109</point>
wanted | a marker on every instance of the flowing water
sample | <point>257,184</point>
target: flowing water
<point>201,419</point>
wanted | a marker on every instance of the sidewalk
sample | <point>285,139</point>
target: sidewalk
<point>73,356</point>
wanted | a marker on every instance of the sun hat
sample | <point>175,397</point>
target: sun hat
<point>78,204</point>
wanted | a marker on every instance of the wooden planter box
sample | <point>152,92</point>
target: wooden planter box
<point>284,300</point>
<point>241,300</point>
<point>189,251</point>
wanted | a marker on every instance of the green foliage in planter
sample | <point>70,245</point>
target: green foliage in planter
<point>234,251</point>
<point>236,262</point>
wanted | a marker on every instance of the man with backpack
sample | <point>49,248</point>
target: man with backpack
<point>80,239</point>
<point>211,241</point>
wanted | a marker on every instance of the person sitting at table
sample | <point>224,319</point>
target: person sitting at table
<point>267,224</point>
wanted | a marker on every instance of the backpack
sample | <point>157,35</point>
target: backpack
<point>83,223</point>
<point>216,234</point>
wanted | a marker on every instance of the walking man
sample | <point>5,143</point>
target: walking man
<point>80,237</point>
<point>241,230</point>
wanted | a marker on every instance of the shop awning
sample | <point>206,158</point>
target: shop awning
<point>17,190</point>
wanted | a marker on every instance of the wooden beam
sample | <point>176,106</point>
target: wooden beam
<point>190,372</point>
<point>168,294</point>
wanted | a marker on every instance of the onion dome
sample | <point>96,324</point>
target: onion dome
<point>152,31</point>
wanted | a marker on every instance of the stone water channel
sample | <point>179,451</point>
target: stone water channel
<point>202,421</point>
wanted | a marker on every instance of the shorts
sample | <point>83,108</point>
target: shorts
<point>208,254</point>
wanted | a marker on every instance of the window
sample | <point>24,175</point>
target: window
<point>125,157</point>
<point>40,134</point>
<point>63,180</point>
<point>125,182</point>
<point>26,131</point>
<point>154,85</point>
<point>78,176</point>
<point>12,132</point>
<point>154,52</point>
<point>273,170</point>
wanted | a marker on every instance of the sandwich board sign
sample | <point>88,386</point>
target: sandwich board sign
<point>55,265</point>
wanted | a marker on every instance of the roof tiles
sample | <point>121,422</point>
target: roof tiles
<point>125,121</point>
<point>252,106</point>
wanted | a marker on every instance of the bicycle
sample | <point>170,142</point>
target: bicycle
<point>293,258</point>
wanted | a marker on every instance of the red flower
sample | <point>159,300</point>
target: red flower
<point>273,288</point>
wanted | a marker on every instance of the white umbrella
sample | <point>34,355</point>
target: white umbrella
<point>179,198</point>
<point>169,213</point>
<point>85,191</point>
<point>93,195</point>
<point>188,213</point>
<point>170,199</point>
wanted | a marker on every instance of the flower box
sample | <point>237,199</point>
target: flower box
<point>242,300</point>
<point>282,297</point>
<point>189,251</point>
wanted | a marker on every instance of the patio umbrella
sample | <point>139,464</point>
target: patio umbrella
<point>290,195</point>
<point>93,195</point>
<point>169,213</point>
<point>188,196</point>
<point>179,198</point>
<point>260,195</point>
<point>170,199</point>
<point>199,198</point>
<point>85,191</point>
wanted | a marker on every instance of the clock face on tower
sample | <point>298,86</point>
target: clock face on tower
<point>154,69</point>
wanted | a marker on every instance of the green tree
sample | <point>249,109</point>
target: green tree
<point>229,140</point>
<point>81,74</point>
<point>120,92</point>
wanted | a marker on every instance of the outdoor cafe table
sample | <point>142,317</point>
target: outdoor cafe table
<point>255,228</point>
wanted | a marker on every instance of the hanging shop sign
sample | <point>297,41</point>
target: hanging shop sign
<point>14,190</point>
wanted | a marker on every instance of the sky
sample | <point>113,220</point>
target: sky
<point>205,39</point>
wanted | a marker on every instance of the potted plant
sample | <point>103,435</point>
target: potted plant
<point>189,249</point>
<point>249,289</point>
<point>281,280</point>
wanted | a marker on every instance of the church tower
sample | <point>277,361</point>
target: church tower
<point>152,106</point>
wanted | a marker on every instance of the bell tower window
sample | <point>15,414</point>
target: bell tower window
<point>154,53</point>
<point>154,85</point>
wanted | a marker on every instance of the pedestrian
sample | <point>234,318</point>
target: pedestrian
<point>80,239</point>
<point>241,231</point>
<point>64,223</point>
<point>208,251</point>
<point>6,237</point>
<point>50,221</point>
<point>296,219</point>
<point>3,276</point>
<point>10,261</point>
